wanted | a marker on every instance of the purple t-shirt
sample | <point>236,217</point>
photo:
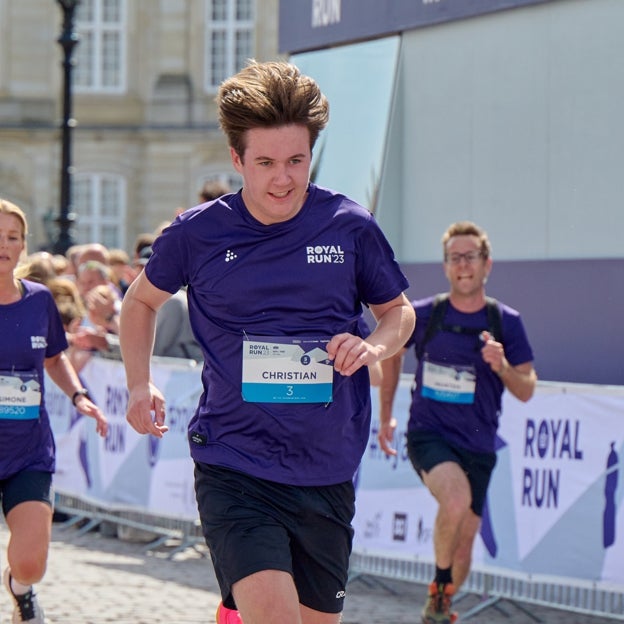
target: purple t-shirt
<point>31,331</point>
<point>304,277</point>
<point>471,425</point>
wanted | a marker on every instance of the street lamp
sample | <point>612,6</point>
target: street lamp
<point>67,40</point>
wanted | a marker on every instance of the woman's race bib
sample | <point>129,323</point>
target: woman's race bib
<point>20,395</point>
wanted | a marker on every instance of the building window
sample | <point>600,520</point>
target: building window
<point>101,50</point>
<point>99,200</point>
<point>229,39</point>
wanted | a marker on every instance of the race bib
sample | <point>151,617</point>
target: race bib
<point>20,395</point>
<point>448,384</point>
<point>288,369</point>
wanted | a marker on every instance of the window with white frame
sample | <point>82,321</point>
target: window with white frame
<point>101,51</point>
<point>229,39</point>
<point>99,201</point>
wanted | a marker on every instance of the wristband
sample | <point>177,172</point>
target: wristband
<point>82,392</point>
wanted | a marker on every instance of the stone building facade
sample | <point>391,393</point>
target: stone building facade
<point>144,81</point>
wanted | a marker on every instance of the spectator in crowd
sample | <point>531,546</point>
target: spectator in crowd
<point>173,336</point>
<point>122,271</point>
<point>91,274</point>
<point>95,252</point>
<point>102,302</point>
<point>143,240</point>
<point>274,464</point>
<point>103,307</point>
<point>99,294</point>
<point>73,257</point>
<point>33,341</point>
<point>73,312</point>
<point>65,291</point>
<point>61,265</point>
<point>212,189</point>
<point>38,267</point>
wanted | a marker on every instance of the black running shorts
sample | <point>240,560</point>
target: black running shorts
<point>426,450</point>
<point>29,485</point>
<point>252,525</point>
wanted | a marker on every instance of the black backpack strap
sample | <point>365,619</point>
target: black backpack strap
<point>495,318</point>
<point>435,322</point>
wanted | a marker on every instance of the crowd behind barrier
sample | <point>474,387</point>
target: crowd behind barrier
<point>553,528</point>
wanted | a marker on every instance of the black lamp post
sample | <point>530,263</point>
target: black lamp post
<point>67,40</point>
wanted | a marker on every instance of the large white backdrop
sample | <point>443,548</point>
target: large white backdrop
<point>554,506</point>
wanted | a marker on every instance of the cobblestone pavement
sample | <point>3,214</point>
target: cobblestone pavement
<point>94,579</point>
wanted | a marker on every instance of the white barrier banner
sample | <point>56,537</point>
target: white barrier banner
<point>555,503</point>
<point>126,469</point>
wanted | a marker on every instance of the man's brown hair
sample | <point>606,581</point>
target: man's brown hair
<point>268,95</point>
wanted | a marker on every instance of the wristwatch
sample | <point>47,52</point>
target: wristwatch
<point>81,392</point>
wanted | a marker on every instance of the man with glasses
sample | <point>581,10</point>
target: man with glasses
<point>462,371</point>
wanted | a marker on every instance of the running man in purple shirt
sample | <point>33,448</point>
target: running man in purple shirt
<point>456,403</point>
<point>276,276</point>
<point>32,339</point>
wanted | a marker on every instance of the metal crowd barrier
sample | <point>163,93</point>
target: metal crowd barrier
<point>90,515</point>
<point>495,585</point>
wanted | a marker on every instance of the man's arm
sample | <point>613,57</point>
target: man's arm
<point>146,405</point>
<point>520,380</point>
<point>395,323</point>
<point>391,373</point>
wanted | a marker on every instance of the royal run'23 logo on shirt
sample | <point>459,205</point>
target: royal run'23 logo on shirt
<point>325,254</point>
<point>38,342</point>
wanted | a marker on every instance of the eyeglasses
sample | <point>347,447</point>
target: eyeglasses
<point>470,257</point>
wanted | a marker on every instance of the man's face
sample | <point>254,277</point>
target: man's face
<point>464,266</point>
<point>88,279</point>
<point>276,171</point>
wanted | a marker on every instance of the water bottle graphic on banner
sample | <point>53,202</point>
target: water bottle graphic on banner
<point>611,480</point>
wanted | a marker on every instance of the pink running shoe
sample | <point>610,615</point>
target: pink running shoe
<point>228,616</point>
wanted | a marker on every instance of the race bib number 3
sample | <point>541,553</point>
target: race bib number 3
<point>288,369</point>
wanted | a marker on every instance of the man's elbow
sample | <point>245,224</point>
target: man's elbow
<point>529,390</point>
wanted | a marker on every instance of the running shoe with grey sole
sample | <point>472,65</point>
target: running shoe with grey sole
<point>27,609</point>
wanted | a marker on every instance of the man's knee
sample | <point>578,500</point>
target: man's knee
<point>28,569</point>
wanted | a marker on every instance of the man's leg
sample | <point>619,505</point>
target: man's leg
<point>270,597</point>
<point>462,557</point>
<point>259,544</point>
<point>450,487</point>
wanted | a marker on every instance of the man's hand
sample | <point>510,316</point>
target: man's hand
<point>146,410</point>
<point>386,436</point>
<point>349,353</point>
<point>493,353</point>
